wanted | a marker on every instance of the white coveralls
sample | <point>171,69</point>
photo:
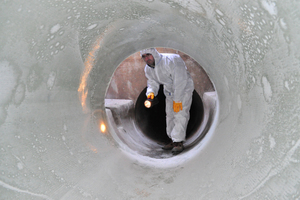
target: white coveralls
<point>171,72</point>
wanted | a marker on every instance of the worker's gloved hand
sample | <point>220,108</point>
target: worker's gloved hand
<point>150,95</point>
<point>177,106</point>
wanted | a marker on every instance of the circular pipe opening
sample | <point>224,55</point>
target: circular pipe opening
<point>140,131</point>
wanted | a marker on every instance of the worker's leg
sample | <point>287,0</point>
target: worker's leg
<point>181,119</point>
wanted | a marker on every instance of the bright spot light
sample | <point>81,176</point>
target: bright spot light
<point>147,104</point>
<point>102,127</point>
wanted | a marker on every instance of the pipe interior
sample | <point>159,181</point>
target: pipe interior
<point>147,127</point>
<point>52,148</point>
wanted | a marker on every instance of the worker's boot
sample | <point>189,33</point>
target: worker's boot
<point>178,148</point>
<point>168,146</point>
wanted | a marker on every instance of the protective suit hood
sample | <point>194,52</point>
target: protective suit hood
<point>156,55</point>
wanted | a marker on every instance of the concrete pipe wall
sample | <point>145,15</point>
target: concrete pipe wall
<point>54,144</point>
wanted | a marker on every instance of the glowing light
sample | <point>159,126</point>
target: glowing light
<point>89,63</point>
<point>102,127</point>
<point>147,104</point>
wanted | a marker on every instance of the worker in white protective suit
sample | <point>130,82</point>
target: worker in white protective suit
<point>170,71</point>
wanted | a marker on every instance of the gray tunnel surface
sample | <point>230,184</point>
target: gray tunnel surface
<point>52,146</point>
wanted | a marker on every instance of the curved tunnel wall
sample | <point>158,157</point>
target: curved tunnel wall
<point>51,149</point>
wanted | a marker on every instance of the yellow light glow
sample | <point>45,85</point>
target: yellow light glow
<point>89,63</point>
<point>147,104</point>
<point>102,128</point>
